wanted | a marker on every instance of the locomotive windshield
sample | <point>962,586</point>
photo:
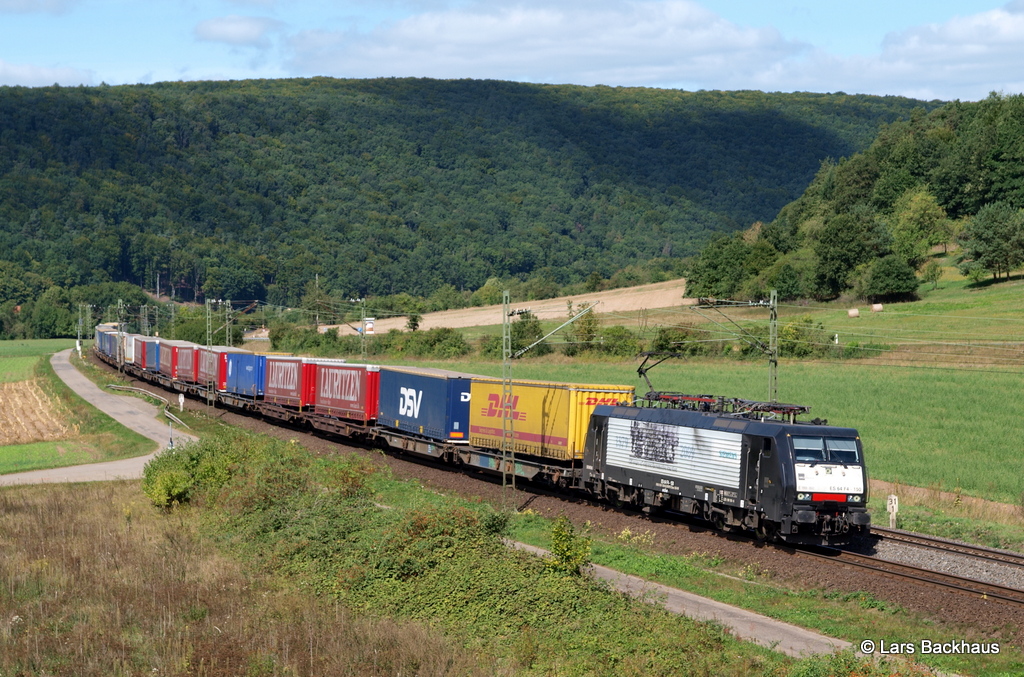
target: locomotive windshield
<point>825,450</point>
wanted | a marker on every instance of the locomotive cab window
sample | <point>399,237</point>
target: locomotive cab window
<point>842,451</point>
<point>809,449</point>
<point>820,450</point>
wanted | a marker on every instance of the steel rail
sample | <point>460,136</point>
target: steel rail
<point>945,545</point>
<point>969,586</point>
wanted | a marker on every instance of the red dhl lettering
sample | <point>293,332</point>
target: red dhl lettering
<point>594,401</point>
<point>495,409</point>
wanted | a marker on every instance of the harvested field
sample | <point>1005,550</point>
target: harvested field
<point>27,414</point>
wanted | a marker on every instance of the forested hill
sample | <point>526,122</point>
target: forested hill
<point>246,190</point>
<point>866,224</point>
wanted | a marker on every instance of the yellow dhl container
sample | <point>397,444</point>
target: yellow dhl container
<point>548,419</point>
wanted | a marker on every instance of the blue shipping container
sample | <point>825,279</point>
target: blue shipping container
<point>429,402</point>
<point>247,374</point>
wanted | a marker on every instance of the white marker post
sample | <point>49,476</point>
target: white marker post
<point>181,402</point>
<point>893,506</point>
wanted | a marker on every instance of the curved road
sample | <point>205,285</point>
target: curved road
<point>130,412</point>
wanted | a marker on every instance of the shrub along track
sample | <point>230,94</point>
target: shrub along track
<point>780,565</point>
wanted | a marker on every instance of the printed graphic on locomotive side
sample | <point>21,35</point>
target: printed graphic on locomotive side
<point>653,443</point>
<point>699,455</point>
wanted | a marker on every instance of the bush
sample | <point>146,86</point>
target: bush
<point>620,342</point>
<point>570,552</point>
<point>688,341</point>
<point>203,468</point>
<point>890,279</point>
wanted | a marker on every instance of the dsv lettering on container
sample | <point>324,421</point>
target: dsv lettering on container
<point>340,384</point>
<point>409,404</point>
<point>283,375</point>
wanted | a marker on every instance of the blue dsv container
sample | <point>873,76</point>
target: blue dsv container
<point>433,403</point>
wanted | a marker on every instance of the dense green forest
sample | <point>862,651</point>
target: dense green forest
<point>248,190</point>
<point>867,224</point>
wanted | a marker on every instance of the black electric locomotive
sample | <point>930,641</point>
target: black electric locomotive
<point>798,482</point>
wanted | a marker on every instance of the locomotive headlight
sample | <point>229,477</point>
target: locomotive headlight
<point>803,497</point>
<point>853,499</point>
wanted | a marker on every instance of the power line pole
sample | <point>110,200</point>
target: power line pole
<point>362,333</point>
<point>227,322</point>
<point>508,452</point>
<point>208,358</point>
<point>120,335</point>
<point>773,347</point>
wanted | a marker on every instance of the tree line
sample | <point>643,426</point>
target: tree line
<point>254,189</point>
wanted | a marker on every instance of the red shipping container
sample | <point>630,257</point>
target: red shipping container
<point>349,391</point>
<point>178,360</point>
<point>213,365</point>
<point>291,381</point>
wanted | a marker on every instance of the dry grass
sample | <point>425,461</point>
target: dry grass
<point>95,582</point>
<point>27,414</point>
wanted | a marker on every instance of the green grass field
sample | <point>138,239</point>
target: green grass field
<point>14,369</point>
<point>18,358</point>
<point>34,347</point>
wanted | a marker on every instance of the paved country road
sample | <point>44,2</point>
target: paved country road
<point>130,412</point>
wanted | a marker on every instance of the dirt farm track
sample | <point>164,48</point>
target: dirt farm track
<point>624,300</point>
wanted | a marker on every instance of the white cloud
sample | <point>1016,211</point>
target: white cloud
<point>29,75</point>
<point>610,42</point>
<point>667,43</point>
<point>27,6</point>
<point>966,57</point>
<point>240,31</point>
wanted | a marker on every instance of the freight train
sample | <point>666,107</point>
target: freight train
<point>741,465</point>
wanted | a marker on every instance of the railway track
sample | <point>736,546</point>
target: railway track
<point>979,590</point>
<point>989,555</point>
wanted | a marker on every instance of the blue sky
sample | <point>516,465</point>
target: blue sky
<point>941,49</point>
